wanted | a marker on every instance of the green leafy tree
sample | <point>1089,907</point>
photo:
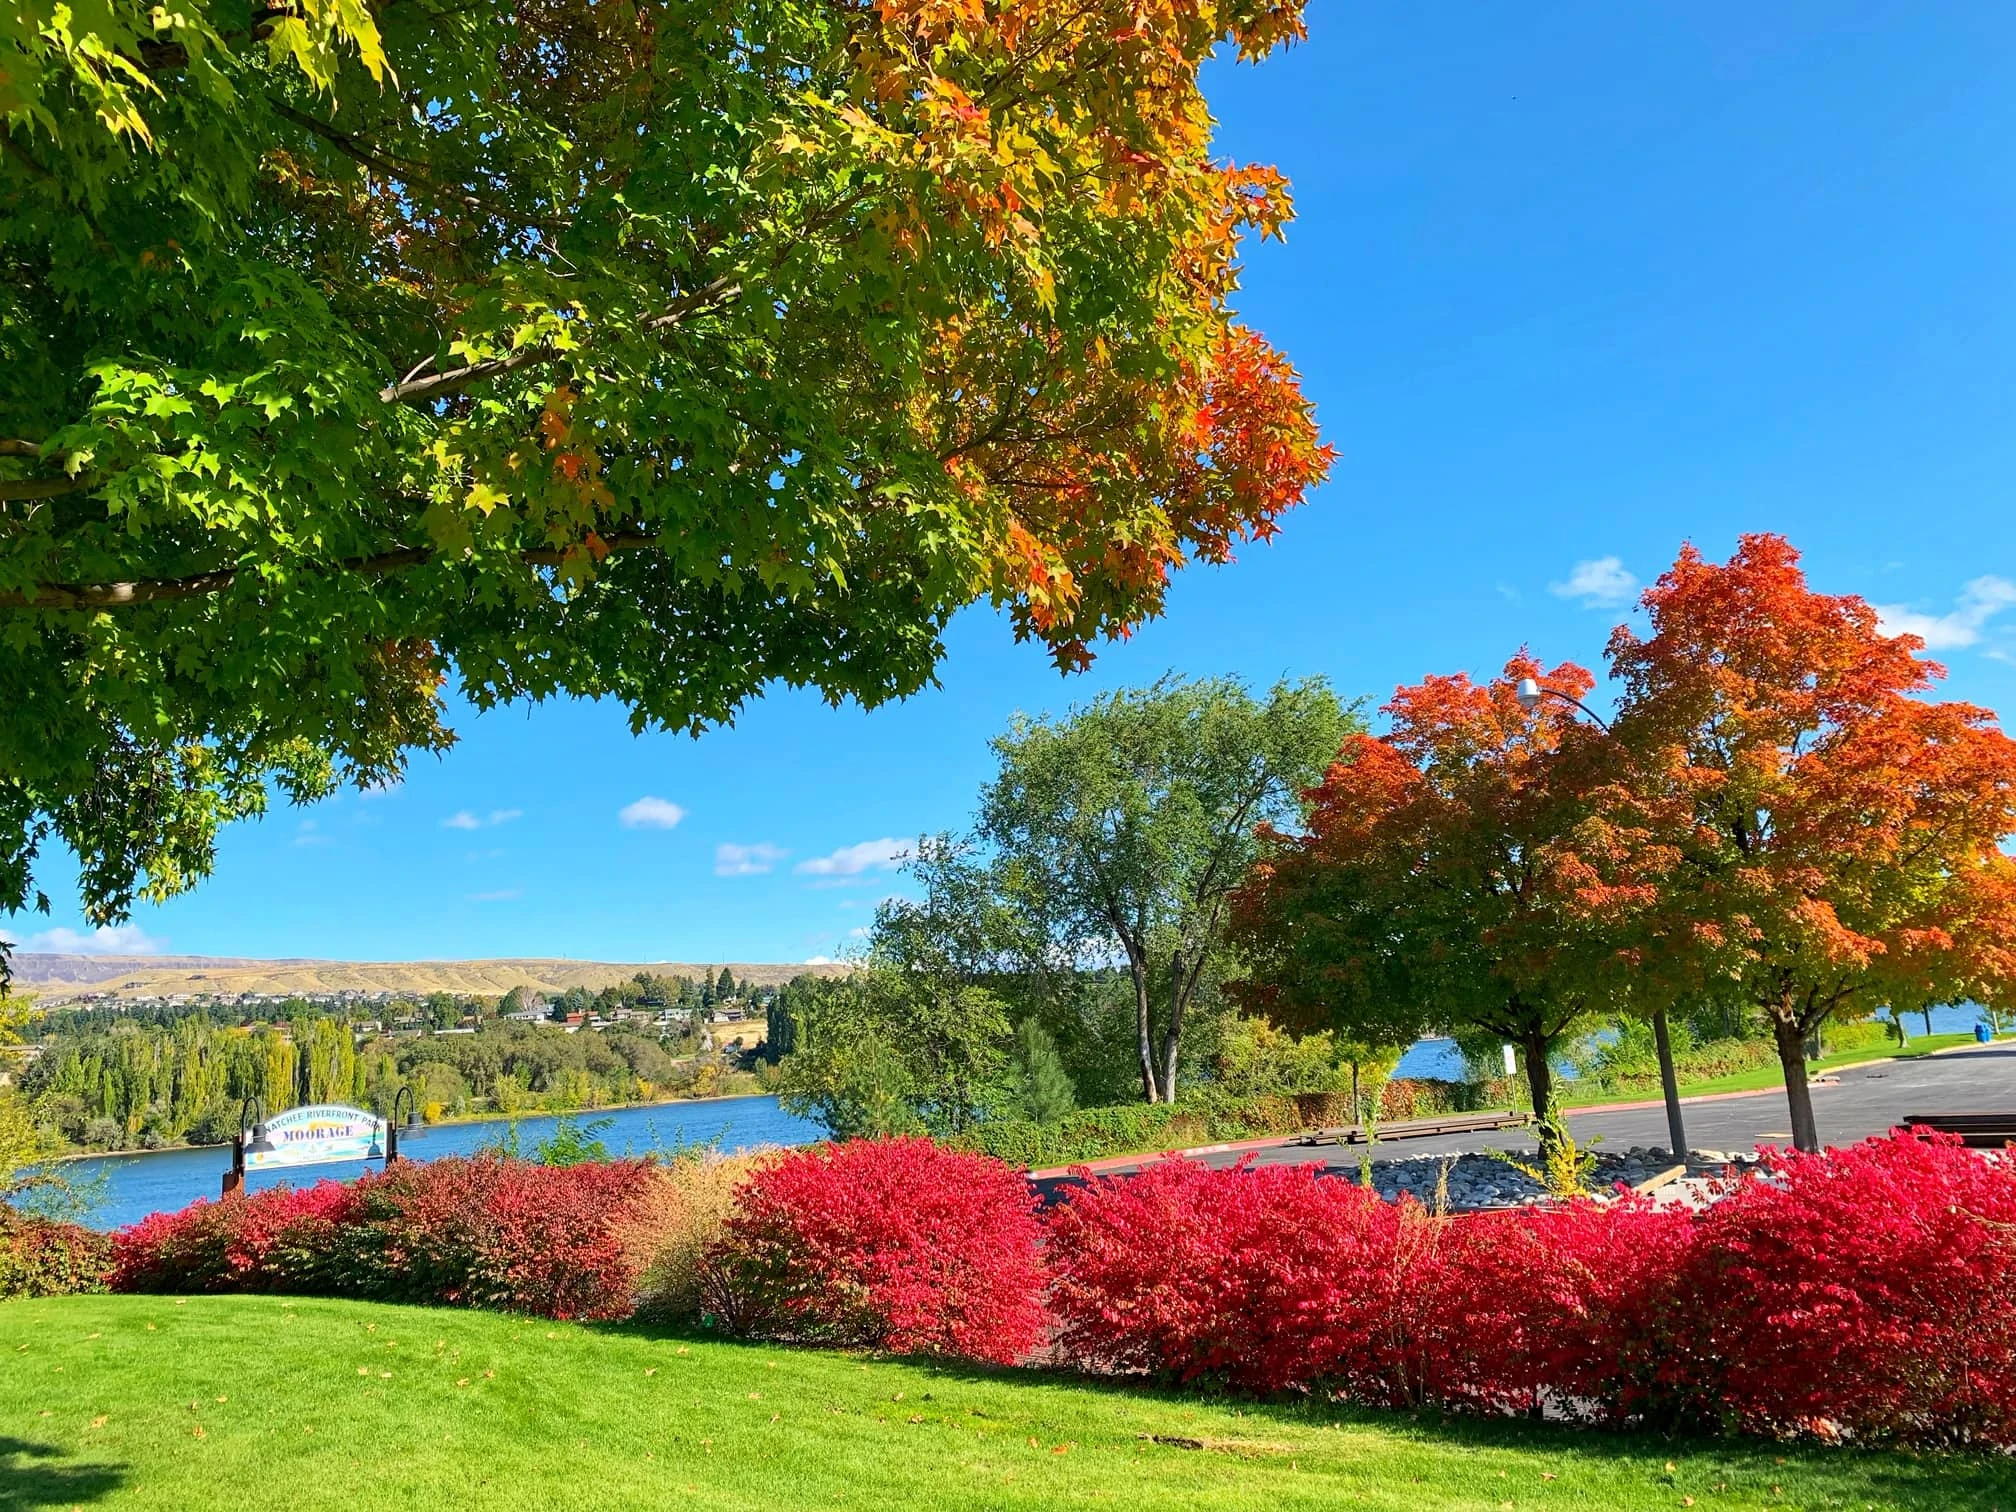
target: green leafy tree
<point>1122,830</point>
<point>887,1050</point>
<point>657,352</point>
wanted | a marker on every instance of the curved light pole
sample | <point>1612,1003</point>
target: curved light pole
<point>1531,695</point>
<point>241,1146</point>
<point>392,1125</point>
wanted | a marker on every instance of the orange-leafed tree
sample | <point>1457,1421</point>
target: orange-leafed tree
<point>1458,872</point>
<point>1831,840</point>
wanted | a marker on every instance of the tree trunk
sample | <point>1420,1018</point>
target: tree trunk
<point>1669,1084</point>
<point>1172,1033</point>
<point>1540,1083</point>
<point>1798,1096</point>
<point>1139,970</point>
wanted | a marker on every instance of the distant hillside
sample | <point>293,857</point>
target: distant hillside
<point>50,977</point>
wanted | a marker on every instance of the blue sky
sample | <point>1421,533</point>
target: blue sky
<point>1570,284</point>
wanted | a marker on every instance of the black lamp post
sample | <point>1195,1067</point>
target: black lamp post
<point>1530,695</point>
<point>413,1129</point>
<point>252,1121</point>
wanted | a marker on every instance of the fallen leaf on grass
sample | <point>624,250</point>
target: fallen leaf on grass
<point>650,1370</point>
<point>1686,1501</point>
<point>774,1416</point>
<point>363,1370</point>
<point>384,1375</point>
<point>682,1349</point>
<point>223,1399</point>
<point>100,1422</point>
<point>150,1329</point>
<point>198,1431</point>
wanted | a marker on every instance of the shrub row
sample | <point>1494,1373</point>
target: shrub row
<point>1131,1129</point>
<point>478,1232</point>
<point>1868,1293</point>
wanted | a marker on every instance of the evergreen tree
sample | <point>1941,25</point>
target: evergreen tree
<point>724,985</point>
<point>1042,1085</point>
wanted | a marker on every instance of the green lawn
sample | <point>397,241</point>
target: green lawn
<point>268,1403</point>
<point>1765,1077</point>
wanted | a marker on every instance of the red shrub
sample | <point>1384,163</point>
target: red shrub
<point>1265,1279</point>
<point>505,1234</point>
<point>480,1232</point>
<point>1868,1291</point>
<point>1569,1304</point>
<point>895,1244</point>
<point>276,1240</point>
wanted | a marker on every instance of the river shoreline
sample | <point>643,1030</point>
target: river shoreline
<point>461,1121</point>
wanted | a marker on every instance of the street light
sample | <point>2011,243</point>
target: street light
<point>252,1120</point>
<point>413,1129</point>
<point>1531,695</point>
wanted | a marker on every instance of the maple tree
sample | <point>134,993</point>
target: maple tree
<point>1456,872</point>
<point>653,350</point>
<point>1813,831</point>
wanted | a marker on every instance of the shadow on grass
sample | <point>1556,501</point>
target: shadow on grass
<point>31,1475</point>
<point>1908,1480</point>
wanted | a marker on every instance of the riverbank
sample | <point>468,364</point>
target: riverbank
<point>458,1120</point>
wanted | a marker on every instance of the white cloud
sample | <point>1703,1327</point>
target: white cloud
<point>747,860</point>
<point>308,833</point>
<point>651,813</point>
<point>1599,584</point>
<point>818,960</point>
<point>852,860</point>
<point>462,819</point>
<point>502,895</point>
<point>1979,602</point>
<point>107,939</point>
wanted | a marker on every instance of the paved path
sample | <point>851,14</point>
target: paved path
<point>1850,1105</point>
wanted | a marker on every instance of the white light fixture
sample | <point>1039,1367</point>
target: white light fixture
<point>1529,694</point>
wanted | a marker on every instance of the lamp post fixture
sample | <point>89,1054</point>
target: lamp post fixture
<point>392,1124</point>
<point>252,1121</point>
<point>1531,695</point>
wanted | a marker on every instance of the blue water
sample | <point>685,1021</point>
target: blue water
<point>164,1180</point>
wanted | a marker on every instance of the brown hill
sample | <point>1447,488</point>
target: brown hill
<point>52,977</point>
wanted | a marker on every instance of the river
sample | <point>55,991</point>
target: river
<point>163,1180</point>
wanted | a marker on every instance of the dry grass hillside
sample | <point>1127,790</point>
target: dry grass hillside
<point>50,977</point>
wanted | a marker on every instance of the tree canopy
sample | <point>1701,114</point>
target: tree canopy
<point>1444,879</point>
<point>656,351</point>
<point>1816,833</point>
<point>1122,830</point>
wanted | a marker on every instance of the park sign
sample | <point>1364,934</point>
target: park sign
<point>317,1135</point>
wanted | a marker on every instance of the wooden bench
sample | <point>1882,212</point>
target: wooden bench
<point>1419,1128</point>
<point>1981,1131</point>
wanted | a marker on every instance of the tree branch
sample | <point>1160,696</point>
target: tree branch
<point>708,296</point>
<point>20,490</point>
<point>199,585</point>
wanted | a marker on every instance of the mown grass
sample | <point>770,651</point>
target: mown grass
<point>1763,1078</point>
<point>272,1403</point>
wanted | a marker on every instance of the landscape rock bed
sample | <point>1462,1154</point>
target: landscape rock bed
<point>1478,1182</point>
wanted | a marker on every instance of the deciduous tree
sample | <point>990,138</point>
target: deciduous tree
<point>1444,878</point>
<point>1122,829</point>
<point>1827,838</point>
<point>656,351</point>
